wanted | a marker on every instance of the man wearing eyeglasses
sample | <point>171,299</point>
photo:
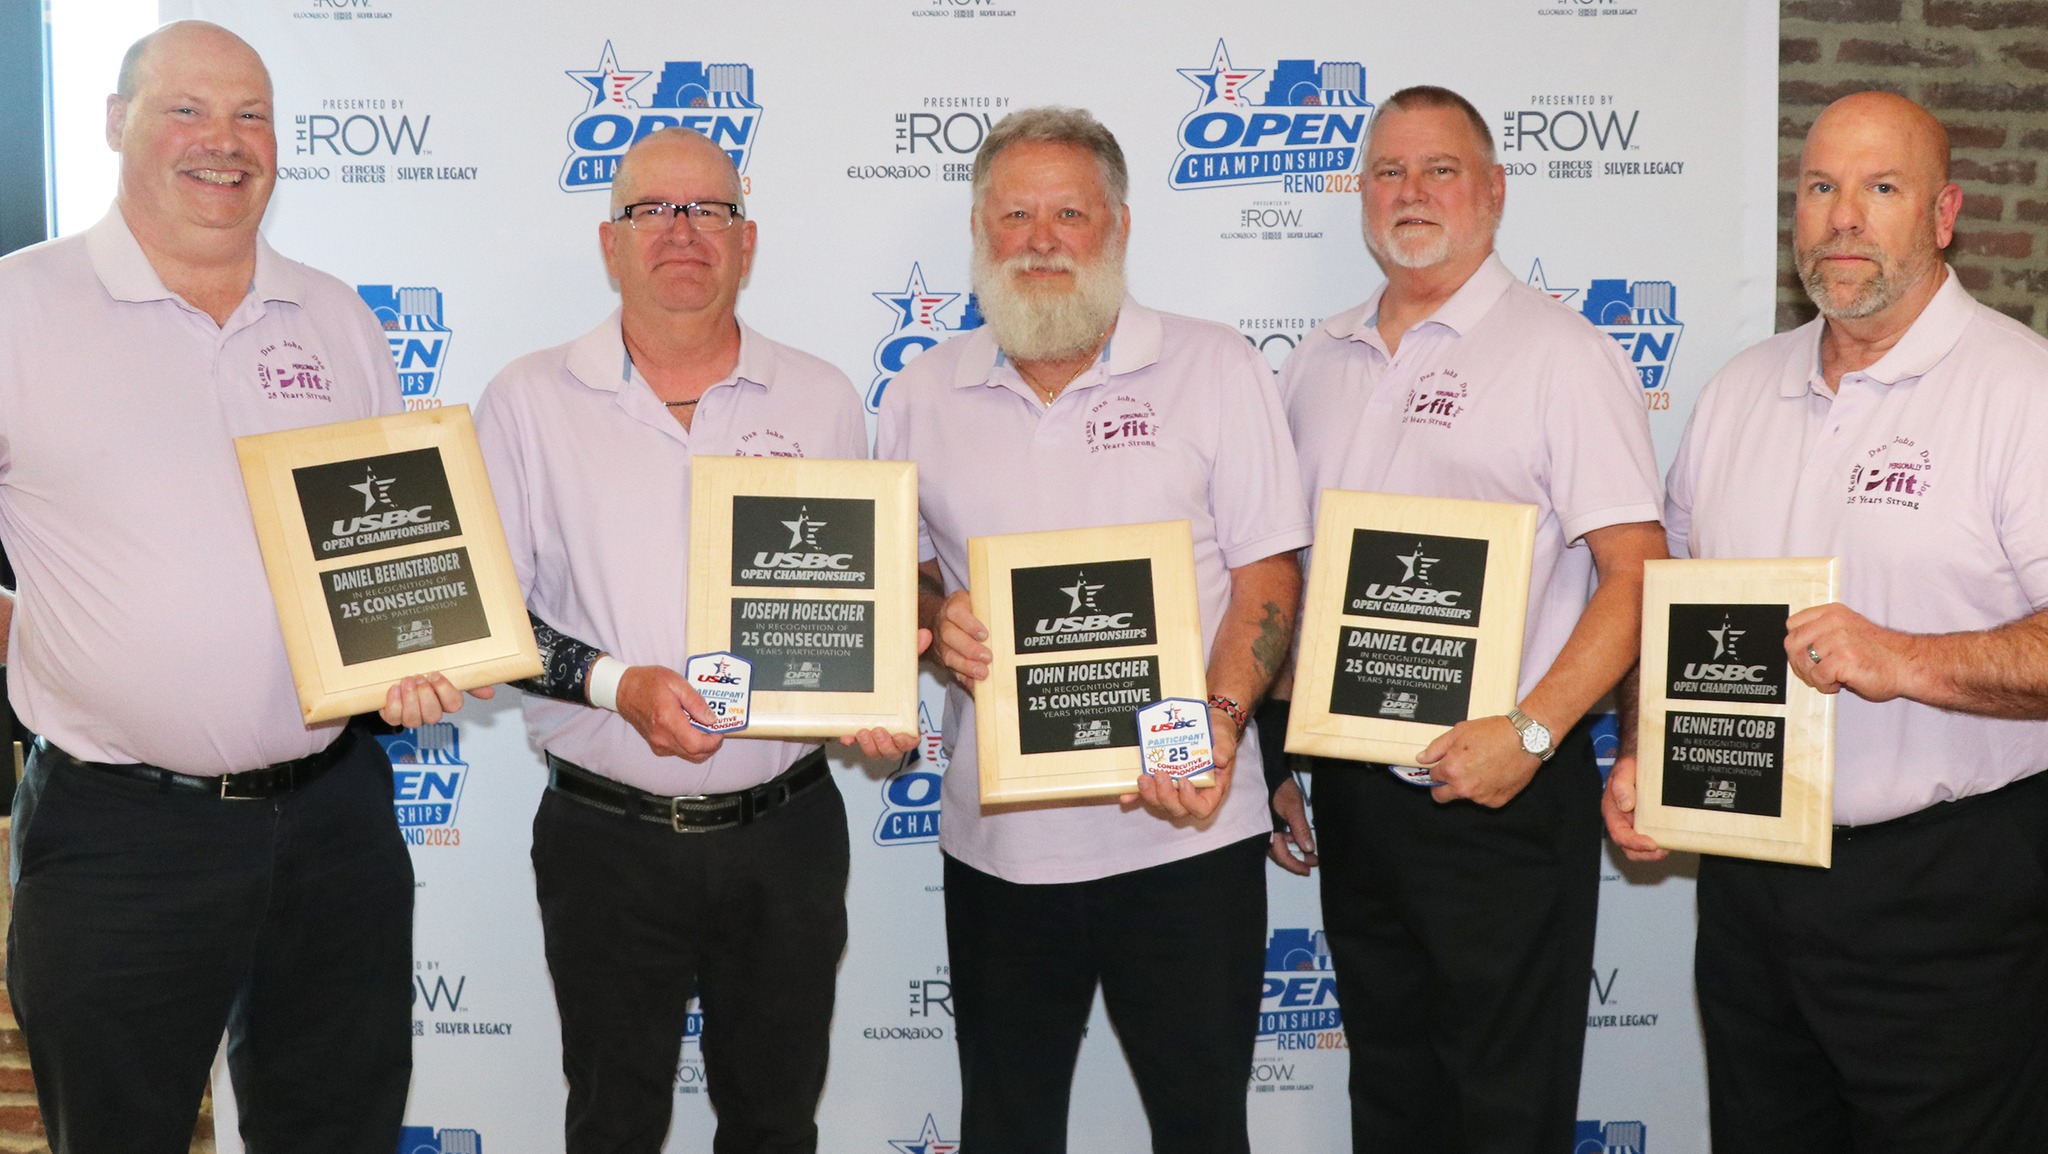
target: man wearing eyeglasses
<point>667,861</point>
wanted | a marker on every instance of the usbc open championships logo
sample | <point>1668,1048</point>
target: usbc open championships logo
<point>1642,316</point>
<point>419,337</point>
<point>1309,118</point>
<point>918,324</point>
<point>714,99</point>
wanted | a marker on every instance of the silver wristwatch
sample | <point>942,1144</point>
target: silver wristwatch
<point>1535,734</point>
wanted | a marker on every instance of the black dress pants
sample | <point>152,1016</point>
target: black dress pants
<point>637,917</point>
<point>1896,1002</point>
<point>1462,939</point>
<point>1179,950</point>
<point>147,920</point>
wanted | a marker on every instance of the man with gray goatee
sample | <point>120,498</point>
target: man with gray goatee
<point>1075,406</point>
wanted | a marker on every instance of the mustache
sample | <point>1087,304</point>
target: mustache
<point>1039,262</point>
<point>235,159</point>
<point>1843,246</point>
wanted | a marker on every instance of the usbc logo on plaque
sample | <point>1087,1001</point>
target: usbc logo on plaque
<point>418,335</point>
<point>427,1140</point>
<point>1104,605</point>
<point>1641,316</point>
<point>427,776</point>
<point>1727,653</point>
<point>1307,122</point>
<point>376,502</point>
<point>714,99</point>
<point>918,322</point>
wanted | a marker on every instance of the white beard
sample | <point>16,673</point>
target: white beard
<point>1033,323</point>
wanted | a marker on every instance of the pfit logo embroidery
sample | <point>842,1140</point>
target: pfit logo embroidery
<point>1308,118</point>
<point>1898,473</point>
<point>1120,422</point>
<point>418,336</point>
<point>714,99</point>
<point>1642,316</point>
<point>1436,399</point>
<point>919,324</point>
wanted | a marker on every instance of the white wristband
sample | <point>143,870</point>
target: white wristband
<point>603,686</point>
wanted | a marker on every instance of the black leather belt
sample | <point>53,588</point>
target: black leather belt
<point>249,785</point>
<point>697,813</point>
<point>1943,810</point>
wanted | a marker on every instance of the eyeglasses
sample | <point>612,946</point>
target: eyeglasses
<point>660,215</point>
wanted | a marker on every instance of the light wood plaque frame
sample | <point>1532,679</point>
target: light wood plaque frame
<point>891,489</point>
<point>1314,725</point>
<point>1803,831</point>
<point>328,687</point>
<point>1010,775</point>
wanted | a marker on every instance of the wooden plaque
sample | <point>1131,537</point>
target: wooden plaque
<point>1412,623</point>
<point>1088,626</point>
<point>1734,755</point>
<point>808,569</point>
<point>386,557</point>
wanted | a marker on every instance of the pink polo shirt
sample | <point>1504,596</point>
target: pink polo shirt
<point>1927,474</point>
<point>1501,395</point>
<point>145,629</point>
<point>592,477</point>
<point>1210,448</point>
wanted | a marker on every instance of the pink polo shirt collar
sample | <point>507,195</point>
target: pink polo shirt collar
<point>125,271</point>
<point>1460,314</point>
<point>1133,345</point>
<point>1928,339</point>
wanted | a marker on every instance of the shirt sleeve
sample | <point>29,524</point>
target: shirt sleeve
<point>1255,486</point>
<point>2022,514</point>
<point>1603,466</point>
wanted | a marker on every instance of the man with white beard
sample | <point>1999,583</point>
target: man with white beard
<point>1459,898</point>
<point>1075,406</point>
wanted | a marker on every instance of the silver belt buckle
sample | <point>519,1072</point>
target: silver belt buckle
<point>675,811</point>
<point>227,792</point>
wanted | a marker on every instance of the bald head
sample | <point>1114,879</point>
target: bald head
<point>175,39</point>
<point>668,143</point>
<point>1911,133</point>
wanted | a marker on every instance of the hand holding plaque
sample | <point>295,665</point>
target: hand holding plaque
<point>385,557</point>
<point>1412,623</point>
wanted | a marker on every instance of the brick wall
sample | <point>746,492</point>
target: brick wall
<point>1979,65</point>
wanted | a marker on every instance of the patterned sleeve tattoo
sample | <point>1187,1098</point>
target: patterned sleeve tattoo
<point>565,664</point>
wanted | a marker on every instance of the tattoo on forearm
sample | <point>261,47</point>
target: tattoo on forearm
<point>1269,648</point>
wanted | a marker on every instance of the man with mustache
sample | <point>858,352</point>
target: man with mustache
<point>189,855</point>
<point>1896,1000</point>
<point>1459,897</point>
<point>667,860</point>
<point>1076,406</point>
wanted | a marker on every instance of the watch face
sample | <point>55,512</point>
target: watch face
<point>1536,738</point>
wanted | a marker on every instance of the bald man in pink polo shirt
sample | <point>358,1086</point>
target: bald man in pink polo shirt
<point>189,855</point>
<point>1075,406</point>
<point>668,862</point>
<point>1898,1001</point>
<point>1459,897</point>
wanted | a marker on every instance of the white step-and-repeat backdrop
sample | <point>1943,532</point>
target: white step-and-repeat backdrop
<point>451,158</point>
